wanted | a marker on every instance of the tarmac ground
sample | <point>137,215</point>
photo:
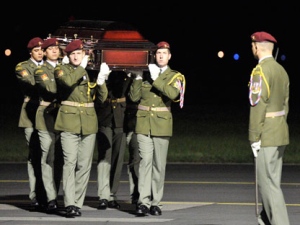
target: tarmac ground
<point>202,194</point>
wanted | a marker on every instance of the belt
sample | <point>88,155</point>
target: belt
<point>118,100</point>
<point>275,114</point>
<point>78,104</point>
<point>43,103</point>
<point>157,109</point>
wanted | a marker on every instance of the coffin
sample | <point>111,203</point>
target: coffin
<point>118,44</point>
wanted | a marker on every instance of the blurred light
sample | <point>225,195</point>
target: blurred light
<point>7,52</point>
<point>236,56</point>
<point>283,57</point>
<point>220,54</point>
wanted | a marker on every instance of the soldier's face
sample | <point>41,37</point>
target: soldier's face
<point>76,57</point>
<point>254,50</point>
<point>37,54</point>
<point>162,57</point>
<point>52,53</point>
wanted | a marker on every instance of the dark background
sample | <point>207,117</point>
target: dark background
<point>196,32</point>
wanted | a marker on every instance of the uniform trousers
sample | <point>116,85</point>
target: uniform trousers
<point>133,164</point>
<point>269,170</point>
<point>48,140</point>
<point>78,156</point>
<point>111,150</point>
<point>153,152</point>
<point>30,169</point>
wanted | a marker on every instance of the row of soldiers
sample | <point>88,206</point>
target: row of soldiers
<point>68,113</point>
<point>51,123</point>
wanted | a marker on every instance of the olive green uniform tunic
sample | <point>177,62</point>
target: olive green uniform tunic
<point>25,75</point>
<point>77,121</point>
<point>154,127</point>
<point>269,98</point>
<point>45,118</point>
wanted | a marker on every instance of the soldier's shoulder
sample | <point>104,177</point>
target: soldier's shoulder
<point>60,70</point>
<point>177,74</point>
<point>39,70</point>
<point>21,65</point>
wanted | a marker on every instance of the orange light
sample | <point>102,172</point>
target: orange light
<point>7,52</point>
<point>220,54</point>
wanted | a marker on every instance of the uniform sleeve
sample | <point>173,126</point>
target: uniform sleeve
<point>258,95</point>
<point>102,92</point>
<point>69,77</point>
<point>135,92</point>
<point>43,80</point>
<point>23,74</point>
<point>170,87</point>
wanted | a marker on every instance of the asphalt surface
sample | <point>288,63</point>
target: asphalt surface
<point>206,194</point>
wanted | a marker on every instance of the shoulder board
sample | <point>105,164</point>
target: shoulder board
<point>39,71</point>
<point>58,67</point>
<point>178,76</point>
<point>19,66</point>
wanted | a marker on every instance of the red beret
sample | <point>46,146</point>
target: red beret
<point>74,45</point>
<point>262,36</point>
<point>49,42</point>
<point>163,44</point>
<point>35,42</point>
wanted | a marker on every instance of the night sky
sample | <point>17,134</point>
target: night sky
<point>195,33</point>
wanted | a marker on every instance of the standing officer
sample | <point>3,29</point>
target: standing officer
<point>25,75</point>
<point>132,144</point>
<point>77,121</point>
<point>45,118</point>
<point>154,126</point>
<point>268,128</point>
<point>111,138</point>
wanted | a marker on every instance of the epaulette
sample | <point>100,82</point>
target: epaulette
<point>19,66</point>
<point>57,67</point>
<point>39,71</point>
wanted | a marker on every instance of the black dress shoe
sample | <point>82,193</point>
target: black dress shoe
<point>34,203</point>
<point>103,203</point>
<point>52,206</point>
<point>155,211</point>
<point>113,204</point>
<point>71,211</point>
<point>77,211</point>
<point>142,210</point>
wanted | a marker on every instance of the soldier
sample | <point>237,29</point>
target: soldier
<point>25,76</point>
<point>132,144</point>
<point>77,121</point>
<point>154,126</point>
<point>268,128</point>
<point>45,118</point>
<point>111,138</point>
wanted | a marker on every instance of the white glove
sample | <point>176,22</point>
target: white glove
<point>101,79</point>
<point>65,60</point>
<point>84,61</point>
<point>136,74</point>
<point>104,70</point>
<point>255,147</point>
<point>154,71</point>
